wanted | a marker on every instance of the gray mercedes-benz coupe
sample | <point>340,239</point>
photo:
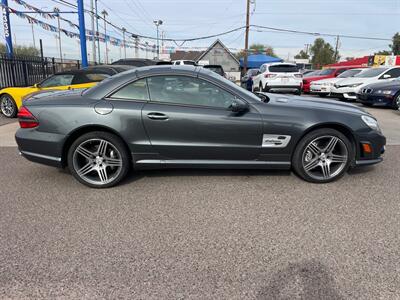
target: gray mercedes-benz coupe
<point>188,117</point>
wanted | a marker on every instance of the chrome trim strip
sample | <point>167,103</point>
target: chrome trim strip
<point>212,162</point>
<point>41,156</point>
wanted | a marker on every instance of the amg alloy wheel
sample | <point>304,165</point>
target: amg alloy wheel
<point>323,156</point>
<point>98,159</point>
<point>8,107</point>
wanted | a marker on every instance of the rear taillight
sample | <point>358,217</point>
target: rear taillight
<point>26,118</point>
<point>269,75</point>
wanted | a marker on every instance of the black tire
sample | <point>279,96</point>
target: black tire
<point>298,93</point>
<point>7,106</point>
<point>115,144</point>
<point>396,102</point>
<point>300,152</point>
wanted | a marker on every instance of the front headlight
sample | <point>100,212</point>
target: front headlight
<point>371,122</point>
<point>385,92</point>
<point>355,85</point>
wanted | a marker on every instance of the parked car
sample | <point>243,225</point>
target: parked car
<point>323,87</point>
<point>278,77</point>
<point>348,88</point>
<point>247,79</point>
<point>184,62</point>
<point>11,98</point>
<point>165,117</point>
<point>322,74</point>
<point>306,71</point>
<point>140,62</point>
<point>381,94</point>
<point>217,69</point>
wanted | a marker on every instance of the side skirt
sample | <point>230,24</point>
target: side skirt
<point>212,164</point>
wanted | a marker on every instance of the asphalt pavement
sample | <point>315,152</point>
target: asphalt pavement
<point>200,234</point>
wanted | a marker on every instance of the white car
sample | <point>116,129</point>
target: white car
<point>278,77</point>
<point>183,62</point>
<point>348,88</point>
<point>323,87</point>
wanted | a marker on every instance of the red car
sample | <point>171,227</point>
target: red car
<point>323,74</point>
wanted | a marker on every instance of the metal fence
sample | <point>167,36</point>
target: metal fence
<point>26,70</point>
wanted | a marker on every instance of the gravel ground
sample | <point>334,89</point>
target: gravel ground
<point>199,234</point>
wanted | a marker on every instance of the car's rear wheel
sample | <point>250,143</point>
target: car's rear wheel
<point>323,155</point>
<point>8,107</point>
<point>98,159</point>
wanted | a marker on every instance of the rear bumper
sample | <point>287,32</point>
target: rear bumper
<point>283,88</point>
<point>40,147</point>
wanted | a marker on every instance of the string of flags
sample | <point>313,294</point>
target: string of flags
<point>90,35</point>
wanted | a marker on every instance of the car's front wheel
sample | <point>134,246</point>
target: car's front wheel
<point>98,159</point>
<point>323,155</point>
<point>8,107</point>
<point>396,102</point>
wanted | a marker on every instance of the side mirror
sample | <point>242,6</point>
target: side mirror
<point>238,106</point>
<point>36,85</point>
<point>386,76</point>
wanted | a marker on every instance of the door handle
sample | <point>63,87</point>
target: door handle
<point>157,116</point>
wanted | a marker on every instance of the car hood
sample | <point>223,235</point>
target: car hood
<point>315,103</point>
<point>328,80</point>
<point>392,84</point>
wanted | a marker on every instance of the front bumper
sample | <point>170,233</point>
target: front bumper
<point>40,147</point>
<point>374,141</point>
<point>378,100</point>
<point>345,93</point>
<point>320,89</point>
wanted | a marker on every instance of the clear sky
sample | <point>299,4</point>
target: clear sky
<point>192,18</point>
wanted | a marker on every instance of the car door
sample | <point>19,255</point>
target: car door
<point>188,118</point>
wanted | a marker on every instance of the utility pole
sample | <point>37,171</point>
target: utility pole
<point>57,11</point>
<point>123,35</point>
<point>93,32</point>
<point>147,49</point>
<point>158,23</point>
<point>246,39</point>
<point>33,37</point>
<point>337,49</point>
<point>105,14</point>
<point>97,30</point>
<point>136,45</point>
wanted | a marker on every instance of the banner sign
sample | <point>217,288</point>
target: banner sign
<point>7,28</point>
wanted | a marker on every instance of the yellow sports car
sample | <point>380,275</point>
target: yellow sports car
<point>11,98</point>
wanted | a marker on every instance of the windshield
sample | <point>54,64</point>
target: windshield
<point>313,73</point>
<point>371,73</point>
<point>349,73</point>
<point>326,72</point>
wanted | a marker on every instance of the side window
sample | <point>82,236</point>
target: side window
<point>340,72</point>
<point>188,91</point>
<point>95,77</point>
<point>136,90</point>
<point>394,73</point>
<point>57,80</point>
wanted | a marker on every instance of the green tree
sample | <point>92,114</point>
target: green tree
<point>302,55</point>
<point>383,52</point>
<point>322,53</point>
<point>395,46</point>
<point>22,50</point>
<point>258,49</point>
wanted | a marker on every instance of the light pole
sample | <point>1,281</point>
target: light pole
<point>123,34</point>
<point>93,32</point>
<point>105,14</point>
<point>97,30</point>
<point>134,36</point>
<point>158,23</point>
<point>57,11</point>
